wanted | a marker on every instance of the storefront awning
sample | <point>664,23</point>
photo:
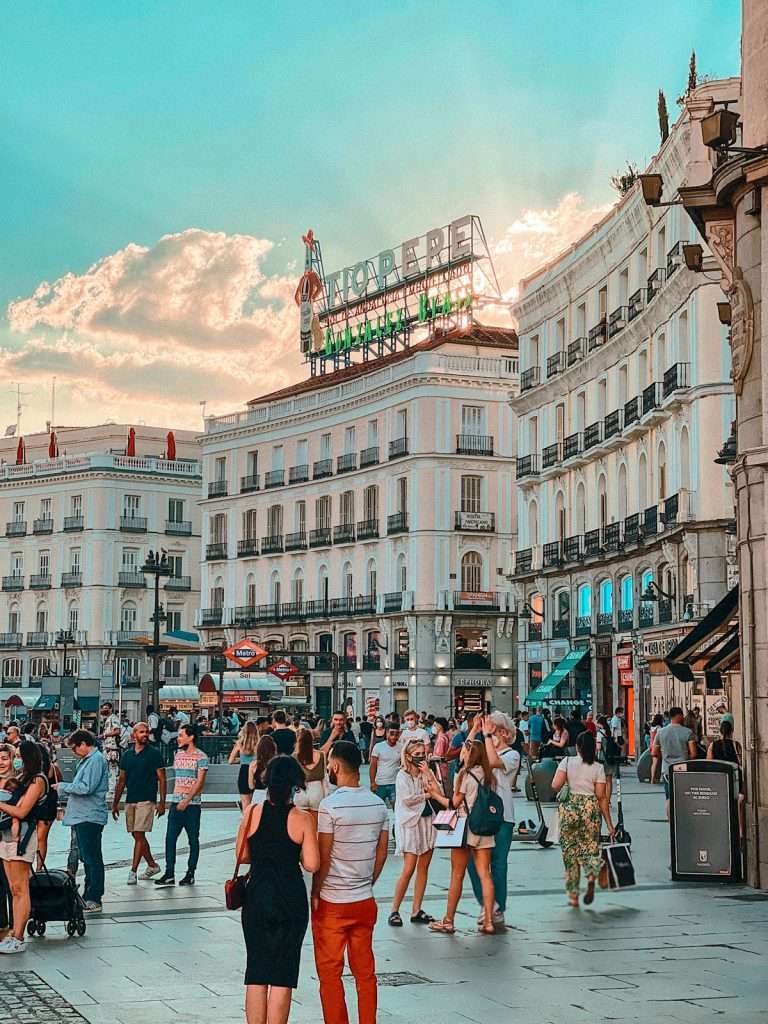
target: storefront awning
<point>21,700</point>
<point>547,686</point>
<point>695,644</point>
<point>88,704</point>
<point>47,702</point>
<point>241,688</point>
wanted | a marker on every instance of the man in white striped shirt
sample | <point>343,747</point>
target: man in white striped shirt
<point>352,830</point>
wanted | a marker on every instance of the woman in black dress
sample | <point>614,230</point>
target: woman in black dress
<point>280,840</point>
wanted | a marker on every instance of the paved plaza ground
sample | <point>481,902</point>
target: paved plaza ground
<point>659,952</point>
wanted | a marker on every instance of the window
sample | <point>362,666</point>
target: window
<point>72,667</point>
<point>623,393</point>
<point>602,302</point>
<point>401,423</point>
<point>130,561</point>
<point>642,370</point>
<point>624,286</point>
<point>17,563</point>
<point>173,620</point>
<point>403,650</point>
<point>371,503</point>
<point>218,524</point>
<point>559,422</point>
<point>275,589</point>
<point>325,446</point>
<point>626,594</point>
<point>322,584</point>
<point>300,517</point>
<point>662,472</point>
<point>349,646</point>
<point>371,578</point>
<point>402,494</point>
<point>76,505</point>
<point>176,565</point>
<point>250,524</point>
<point>39,667</point>
<point>472,573</point>
<point>346,581</point>
<point>275,520</point>
<point>277,457</point>
<point>217,594</point>
<point>323,513</point>
<point>605,594</point>
<point>470,493</point>
<point>534,350</point>
<point>131,506</point>
<point>73,621</point>
<point>349,441</point>
<point>402,574</point>
<point>581,320</point>
<point>250,592</point>
<point>14,619</point>
<point>602,500</point>
<point>472,420</point>
<point>12,668</point>
<point>602,399</point>
<point>471,648</point>
<point>584,601</point>
<point>302,453</point>
<point>642,267</point>
<point>252,463</point>
<point>297,587</point>
<point>41,619</point>
<point>533,435</point>
<point>220,469</point>
<point>46,508</point>
<point>560,335</point>
<point>661,247</point>
<point>18,511</point>
<point>129,671</point>
<point>372,650</point>
<point>373,433</point>
<point>175,510</point>
<point>622,489</point>
<point>44,563</point>
<point>128,617</point>
<point>563,605</point>
<point>347,508</point>
<point>172,668</point>
<point>581,411</point>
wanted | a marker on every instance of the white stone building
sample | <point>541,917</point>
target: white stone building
<point>625,399</point>
<point>76,528</point>
<point>368,511</point>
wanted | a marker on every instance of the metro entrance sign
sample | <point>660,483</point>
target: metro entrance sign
<point>246,653</point>
<point>283,669</point>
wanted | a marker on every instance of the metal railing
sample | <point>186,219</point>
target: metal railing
<point>178,583</point>
<point>346,463</point>
<point>576,350</point>
<point>398,447</point>
<point>397,523</point>
<point>650,398</point>
<point>369,456</point>
<point>217,489</point>
<point>133,524</point>
<point>71,579</point>
<point>593,435</point>
<point>572,446</point>
<point>322,468</point>
<point>474,444</point>
<point>612,536</point>
<point>249,483</point>
<point>368,529</point>
<point>676,378</point>
<point>296,541</point>
<point>561,629</point>
<point>40,581</point>
<point>631,411</point>
<point>605,622</point>
<point>321,538</point>
<point>272,544</point>
<point>645,614</point>
<point>527,465</point>
<point>625,618</point>
<point>344,533</point>
<point>42,526</point>
<point>216,551</point>
<point>651,521</point>
<point>393,602</point>
<point>635,303</point>
<point>592,542</point>
<point>529,378</point>
<point>247,546</point>
<point>583,625</point>
<point>16,529</point>
<point>211,616</point>
<point>551,455</point>
<point>632,529</point>
<point>13,582</point>
<point>674,257</point>
<point>523,560</point>
<point>671,509</point>
<point>178,529</point>
<point>612,424</point>
<point>73,523</point>
<point>551,554</point>
<point>274,478</point>
<point>298,474</point>
<point>129,578</point>
<point>555,364</point>
<point>617,321</point>
<point>655,282</point>
<point>572,549</point>
<point>597,336</point>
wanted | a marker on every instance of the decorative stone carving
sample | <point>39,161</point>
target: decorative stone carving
<point>742,329</point>
<point>720,238</point>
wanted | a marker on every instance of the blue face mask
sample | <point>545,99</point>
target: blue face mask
<point>18,764</point>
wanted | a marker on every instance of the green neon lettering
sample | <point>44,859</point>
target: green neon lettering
<point>423,306</point>
<point>328,350</point>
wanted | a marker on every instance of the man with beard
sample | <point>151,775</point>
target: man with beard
<point>142,770</point>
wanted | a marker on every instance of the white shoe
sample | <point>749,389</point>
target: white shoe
<point>132,878</point>
<point>151,872</point>
<point>91,907</point>
<point>498,919</point>
<point>12,945</point>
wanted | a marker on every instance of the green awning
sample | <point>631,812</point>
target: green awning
<point>547,686</point>
<point>47,702</point>
<point>87,704</point>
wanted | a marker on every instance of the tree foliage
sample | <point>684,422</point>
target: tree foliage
<point>663,117</point>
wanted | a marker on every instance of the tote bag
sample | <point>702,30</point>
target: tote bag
<point>453,838</point>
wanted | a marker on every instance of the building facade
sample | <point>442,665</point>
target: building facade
<point>624,535</point>
<point>367,512</point>
<point>77,529</point>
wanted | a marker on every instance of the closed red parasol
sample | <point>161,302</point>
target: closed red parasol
<point>131,449</point>
<point>171,441</point>
<point>20,460</point>
<point>53,448</point>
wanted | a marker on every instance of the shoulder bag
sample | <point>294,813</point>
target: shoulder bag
<point>565,790</point>
<point>234,887</point>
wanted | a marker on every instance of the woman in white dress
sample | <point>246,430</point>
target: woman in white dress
<point>414,835</point>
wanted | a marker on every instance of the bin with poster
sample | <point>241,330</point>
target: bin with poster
<point>704,822</point>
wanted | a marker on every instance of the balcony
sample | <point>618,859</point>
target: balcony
<point>322,469</point>
<point>131,580</point>
<point>397,523</point>
<point>592,543</point>
<point>674,259</point>
<point>42,526</point>
<point>41,581</point>
<point>398,448</point>
<point>527,466</point>
<point>561,629</point>
<point>475,522</point>
<point>551,455</point>
<point>635,304</point>
<point>133,524</point>
<point>393,602</point>
<point>216,552</point>
<point>676,378</point>
<point>474,444</point>
<point>371,662</point>
<point>340,606</point>
<point>576,351</point>
<point>211,616</point>
<point>272,544</point>
<point>320,538</point>
<point>268,613</point>
<point>125,636</point>
<point>572,549</point>
<point>645,616</point>
<point>529,379</point>
<point>655,282</point>
<point>248,484</point>
<point>572,447</point>
<point>651,521</point>
<point>632,529</point>
<point>535,632</point>
<point>612,424</point>
<point>583,625</point>
<point>13,582</point>
<point>612,537</point>
<point>298,474</point>
<point>178,583</point>
<point>244,616</point>
<point>523,560</point>
<point>344,533</point>
<point>178,529</point>
<point>617,321</point>
<point>316,610</point>
<point>625,618</point>
<point>466,600</point>
<point>16,529</point>
<point>555,364</point>
<point>11,639</point>
<point>605,622</point>
<point>650,399</point>
<point>217,489</point>
<point>296,541</point>
<point>593,435</point>
<point>671,510</point>
<point>38,639</point>
<point>402,661</point>
<point>665,610</point>
<point>365,604</point>
<point>247,547</point>
<point>346,463</point>
<point>71,579</point>
<point>631,412</point>
<point>73,523</point>
<point>597,336</point>
<point>369,456</point>
<point>551,555</point>
<point>292,611</point>
<point>274,478</point>
<point>368,529</point>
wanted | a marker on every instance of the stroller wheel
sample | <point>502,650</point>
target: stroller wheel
<point>81,926</point>
<point>31,927</point>
<point>71,928</point>
<point>41,927</point>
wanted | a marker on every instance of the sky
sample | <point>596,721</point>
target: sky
<point>161,161</point>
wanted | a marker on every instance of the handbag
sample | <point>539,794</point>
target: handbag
<point>234,887</point>
<point>445,820</point>
<point>621,871</point>
<point>454,838</point>
<point>565,790</point>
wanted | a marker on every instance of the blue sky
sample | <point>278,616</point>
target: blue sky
<point>123,123</point>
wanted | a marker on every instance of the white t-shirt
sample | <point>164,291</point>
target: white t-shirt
<point>616,726</point>
<point>511,760</point>
<point>524,727</point>
<point>387,763</point>
<point>406,735</point>
<point>582,778</point>
<point>355,818</point>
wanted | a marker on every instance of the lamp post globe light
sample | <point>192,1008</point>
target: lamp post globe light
<point>156,565</point>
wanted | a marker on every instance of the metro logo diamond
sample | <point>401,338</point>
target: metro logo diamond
<point>245,653</point>
<point>283,669</point>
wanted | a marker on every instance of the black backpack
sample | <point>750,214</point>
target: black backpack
<point>487,814</point>
<point>611,750</point>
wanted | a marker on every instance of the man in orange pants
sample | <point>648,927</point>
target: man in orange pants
<point>352,830</point>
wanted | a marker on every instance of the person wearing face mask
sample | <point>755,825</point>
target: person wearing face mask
<point>414,835</point>
<point>412,730</point>
<point>7,772</point>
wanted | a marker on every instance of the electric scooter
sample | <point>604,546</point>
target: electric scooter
<point>529,831</point>
<point>620,835</point>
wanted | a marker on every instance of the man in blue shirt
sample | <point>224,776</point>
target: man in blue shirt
<point>86,812</point>
<point>535,733</point>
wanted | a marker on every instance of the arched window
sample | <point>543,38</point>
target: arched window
<point>661,356</point>
<point>322,584</point>
<point>73,617</point>
<point>627,594</point>
<point>533,524</point>
<point>606,597</point>
<point>472,572</point>
<point>562,604</point>
<point>250,590</point>
<point>14,619</point>
<point>372,656</point>
<point>602,501</point>
<point>297,587</point>
<point>370,578</point>
<point>683,339</point>
<point>275,595</point>
<point>371,504</point>
<point>560,522</point>
<point>642,483</point>
<point>622,489</point>
<point>128,617</point>
<point>661,463</point>
<point>298,645</point>
<point>41,618</point>
<point>580,509</point>
<point>584,601</point>
<point>217,593</point>
<point>349,648</point>
<point>347,583</point>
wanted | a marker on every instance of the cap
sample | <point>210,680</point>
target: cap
<point>727,717</point>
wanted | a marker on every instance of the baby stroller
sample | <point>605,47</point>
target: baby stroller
<point>54,897</point>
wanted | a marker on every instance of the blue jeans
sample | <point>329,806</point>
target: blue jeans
<point>499,856</point>
<point>387,794</point>
<point>182,821</point>
<point>88,835</point>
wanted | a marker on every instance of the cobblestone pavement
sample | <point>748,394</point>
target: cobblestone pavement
<point>677,953</point>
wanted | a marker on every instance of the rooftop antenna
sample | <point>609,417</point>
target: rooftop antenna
<point>203,404</point>
<point>19,406</point>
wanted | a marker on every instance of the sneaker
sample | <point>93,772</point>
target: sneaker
<point>151,872</point>
<point>132,878</point>
<point>12,945</point>
<point>188,879</point>
<point>92,907</point>
<point>165,880</point>
<point>498,919</point>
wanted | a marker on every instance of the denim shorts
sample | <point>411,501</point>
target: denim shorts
<point>387,793</point>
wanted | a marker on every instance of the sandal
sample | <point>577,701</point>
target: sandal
<point>445,926</point>
<point>421,918</point>
<point>589,895</point>
<point>487,929</point>
<point>395,920</point>
<point>573,899</point>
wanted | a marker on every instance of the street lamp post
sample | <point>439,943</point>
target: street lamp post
<point>156,565</point>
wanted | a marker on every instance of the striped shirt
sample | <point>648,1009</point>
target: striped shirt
<point>355,818</point>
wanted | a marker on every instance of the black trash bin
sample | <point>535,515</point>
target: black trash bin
<point>704,822</point>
